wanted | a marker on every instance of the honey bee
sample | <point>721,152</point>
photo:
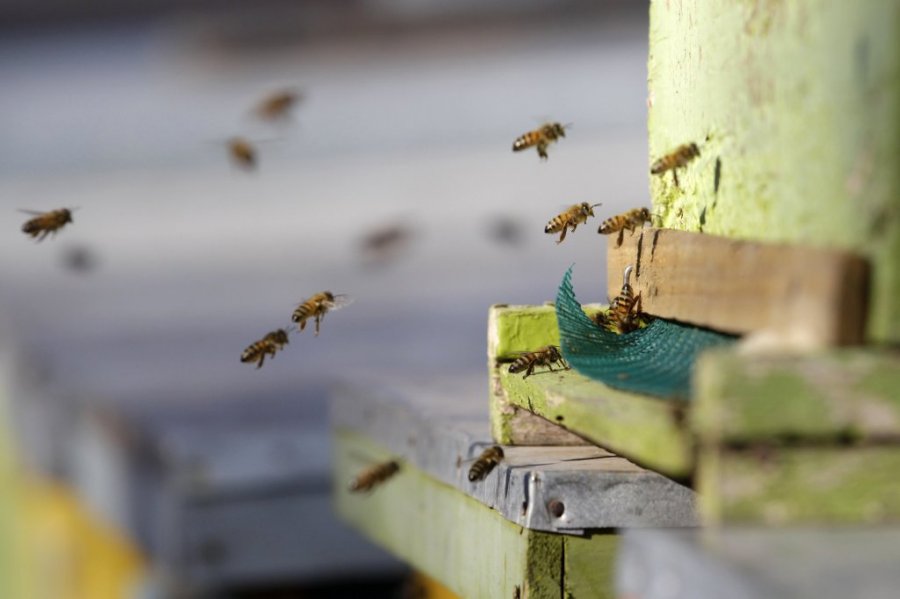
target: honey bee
<point>277,105</point>
<point>317,306</point>
<point>540,138</point>
<point>45,223</point>
<point>486,462</point>
<point>373,476</point>
<point>242,153</point>
<point>631,220</point>
<point>571,218</point>
<point>625,309</point>
<point>268,345</point>
<point>546,356</point>
<point>675,160</point>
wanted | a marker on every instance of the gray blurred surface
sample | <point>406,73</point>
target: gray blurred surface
<point>759,564</point>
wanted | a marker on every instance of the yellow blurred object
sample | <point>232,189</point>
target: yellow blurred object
<point>51,546</point>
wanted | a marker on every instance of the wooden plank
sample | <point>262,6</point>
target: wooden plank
<point>800,485</point>
<point>646,430</point>
<point>457,540</point>
<point>795,107</point>
<point>834,397</point>
<point>806,297</point>
<point>440,429</point>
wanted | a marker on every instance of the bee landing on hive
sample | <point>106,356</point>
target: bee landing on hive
<point>675,160</point>
<point>546,356</point>
<point>631,220</point>
<point>486,462</point>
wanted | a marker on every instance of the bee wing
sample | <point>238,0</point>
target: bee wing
<point>32,212</point>
<point>341,300</point>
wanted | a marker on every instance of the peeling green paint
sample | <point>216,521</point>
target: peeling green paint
<point>643,429</point>
<point>801,485</point>
<point>835,396</point>
<point>799,102</point>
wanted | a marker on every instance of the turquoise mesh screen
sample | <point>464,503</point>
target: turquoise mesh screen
<point>655,360</point>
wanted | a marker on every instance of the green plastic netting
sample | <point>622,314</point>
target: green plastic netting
<point>655,360</point>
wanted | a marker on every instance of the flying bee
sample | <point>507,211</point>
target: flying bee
<point>317,306</point>
<point>268,345</point>
<point>373,476</point>
<point>277,105</point>
<point>242,153</point>
<point>571,218</point>
<point>675,160</point>
<point>540,138</point>
<point>625,309</point>
<point>486,462</point>
<point>45,223</point>
<point>546,356</point>
<point>631,220</point>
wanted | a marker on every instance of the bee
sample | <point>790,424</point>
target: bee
<point>373,476</point>
<point>242,153</point>
<point>486,462</point>
<point>268,345</point>
<point>546,356</point>
<point>675,160</point>
<point>317,306</point>
<point>540,138</point>
<point>572,217</point>
<point>631,220</point>
<point>625,309</point>
<point>277,105</point>
<point>45,223</point>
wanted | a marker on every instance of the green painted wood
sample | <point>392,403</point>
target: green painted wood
<point>643,429</point>
<point>841,395</point>
<point>462,543</point>
<point>800,485</point>
<point>590,566</point>
<point>796,108</point>
<point>516,329</point>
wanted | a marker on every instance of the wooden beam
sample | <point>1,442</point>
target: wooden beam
<point>800,296</point>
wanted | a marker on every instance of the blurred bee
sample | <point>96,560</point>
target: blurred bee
<point>317,306</point>
<point>268,345</point>
<point>540,138</point>
<point>546,356</point>
<point>373,476</point>
<point>675,160</point>
<point>571,218</point>
<point>631,220</point>
<point>277,105</point>
<point>383,245</point>
<point>601,319</point>
<point>242,153</point>
<point>625,309</point>
<point>45,223</point>
<point>486,462</point>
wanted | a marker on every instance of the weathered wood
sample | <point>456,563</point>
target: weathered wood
<point>459,541</point>
<point>802,296</point>
<point>795,107</point>
<point>834,397</point>
<point>800,485</point>
<point>643,429</point>
<point>441,429</point>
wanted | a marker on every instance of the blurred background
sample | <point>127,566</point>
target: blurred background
<point>140,456</point>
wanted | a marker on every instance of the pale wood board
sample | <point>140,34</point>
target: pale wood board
<point>803,296</point>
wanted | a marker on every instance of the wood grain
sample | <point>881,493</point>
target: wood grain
<point>797,295</point>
